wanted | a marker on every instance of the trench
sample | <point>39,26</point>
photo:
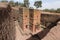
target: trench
<point>44,32</point>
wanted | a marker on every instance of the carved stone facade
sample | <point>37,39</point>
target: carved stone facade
<point>31,19</point>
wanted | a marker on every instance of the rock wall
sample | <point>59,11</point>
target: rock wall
<point>47,19</point>
<point>7,29</point>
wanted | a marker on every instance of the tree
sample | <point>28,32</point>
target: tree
<point>16,4</point>
<point>52,10</point>
<point>4,0</point>
<point>58,10</point>
<point>12,3</point>
<point>26,3</point>
<point>46,10</point>
<point>38,4</point>
<point>21,4</point>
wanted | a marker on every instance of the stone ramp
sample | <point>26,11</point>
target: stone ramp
<point>19,32</point>
<point>54,33</point>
